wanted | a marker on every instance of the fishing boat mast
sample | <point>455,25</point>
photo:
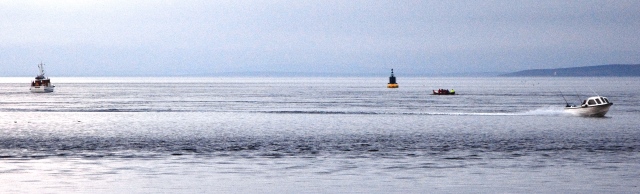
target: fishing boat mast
<point>41,68</point>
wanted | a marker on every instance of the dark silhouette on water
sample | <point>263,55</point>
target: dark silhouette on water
<point>392,81</point>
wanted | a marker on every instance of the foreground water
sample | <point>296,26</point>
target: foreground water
<point>319,135</point>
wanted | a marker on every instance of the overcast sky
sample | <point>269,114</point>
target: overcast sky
<point>193,37</point>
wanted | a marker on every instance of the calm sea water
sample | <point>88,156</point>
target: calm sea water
<point>317,135</point>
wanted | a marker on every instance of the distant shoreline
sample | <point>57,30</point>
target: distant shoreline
<point>613,70</point>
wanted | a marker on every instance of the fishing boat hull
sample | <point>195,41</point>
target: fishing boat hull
<point>589,111</point>
<point>41,89</point>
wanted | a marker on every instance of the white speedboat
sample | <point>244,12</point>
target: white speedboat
<point>41,84</point>
<point>596,106</point>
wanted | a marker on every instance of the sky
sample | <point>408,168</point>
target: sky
<point>354,37</point>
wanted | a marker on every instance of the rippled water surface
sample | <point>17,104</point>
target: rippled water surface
<point>318,135</point>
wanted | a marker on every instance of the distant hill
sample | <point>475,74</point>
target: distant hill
<point>617,70</point>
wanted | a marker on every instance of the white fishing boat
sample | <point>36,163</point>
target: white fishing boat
<point>595,106</point>
<point>41,84</point>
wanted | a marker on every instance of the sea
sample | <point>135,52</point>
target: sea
<point>317,135</point>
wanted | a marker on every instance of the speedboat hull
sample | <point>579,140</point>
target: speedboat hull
<point>589,111</point>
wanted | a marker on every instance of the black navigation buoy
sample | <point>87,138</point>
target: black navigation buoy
<point>392,81</point>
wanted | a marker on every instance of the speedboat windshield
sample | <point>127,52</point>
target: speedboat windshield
<point>597,100</point>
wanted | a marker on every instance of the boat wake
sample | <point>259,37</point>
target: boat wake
<point>544,111</point>
<point>536,112</point>
<point>549,111</point>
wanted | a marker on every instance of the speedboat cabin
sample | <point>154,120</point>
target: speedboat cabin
<point>596,100</point>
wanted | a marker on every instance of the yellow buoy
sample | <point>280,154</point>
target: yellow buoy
<point>392,81</point>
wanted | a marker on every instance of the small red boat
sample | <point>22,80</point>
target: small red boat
<point>444,92</point>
